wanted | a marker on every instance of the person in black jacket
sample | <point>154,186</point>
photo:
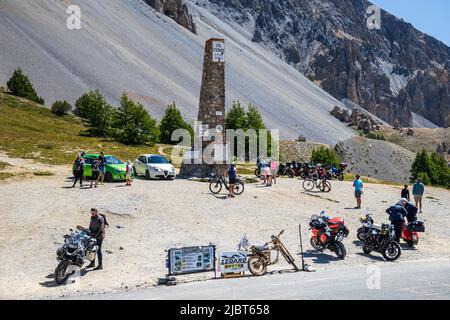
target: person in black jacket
<point>97,230</point>
<point>405,193</point>
<point>397,214</point>
<point>412,212</point>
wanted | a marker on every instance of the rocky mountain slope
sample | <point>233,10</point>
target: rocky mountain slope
<point>126,45</point>
<point>377,159</point>
<point>391,72</point>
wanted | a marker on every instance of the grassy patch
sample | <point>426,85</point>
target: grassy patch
<point>5,175</point>
<point>30,131</point>
<point>351,177</point>
<point>43,174</point>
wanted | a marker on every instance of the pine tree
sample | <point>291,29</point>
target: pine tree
<point>422,165</point>
<point>236,118</point>
<point>171,121</point>
<point>20,85</point>
<point>133,124</point>
<point>93,107</point>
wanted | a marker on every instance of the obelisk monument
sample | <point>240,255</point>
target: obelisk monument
<point>210,128</point>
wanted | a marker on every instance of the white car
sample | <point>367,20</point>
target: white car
<point>154,166</point>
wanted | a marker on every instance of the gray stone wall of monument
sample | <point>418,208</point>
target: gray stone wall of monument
<point>211,112</point>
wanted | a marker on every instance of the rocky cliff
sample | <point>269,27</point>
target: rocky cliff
<point>175,9</point>
<point>391,72</point>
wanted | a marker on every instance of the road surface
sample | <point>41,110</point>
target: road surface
<point>391,281</point>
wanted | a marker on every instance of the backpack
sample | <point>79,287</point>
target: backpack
<point>104,218</point>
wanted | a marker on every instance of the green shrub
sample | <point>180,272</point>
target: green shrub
<point>324,156</point>
<point>61,108</point>
<point>375,136</point>
<point>19,85</point>
<point>133,124</point>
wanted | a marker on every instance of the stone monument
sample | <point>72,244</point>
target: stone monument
<point>210,127</point>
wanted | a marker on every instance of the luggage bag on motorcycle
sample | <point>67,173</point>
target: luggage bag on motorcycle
<point>416,226</point>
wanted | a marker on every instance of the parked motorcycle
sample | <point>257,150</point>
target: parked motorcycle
<point>328,234</point>
<point>334,173</point>
<point>79,249</point>
<point>410,232</point>
<point>367,225</point>
<point>381,240</point>
<point>260,257</point>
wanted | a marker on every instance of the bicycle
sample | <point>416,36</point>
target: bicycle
<point>217,183</point>
<point>322,184</point>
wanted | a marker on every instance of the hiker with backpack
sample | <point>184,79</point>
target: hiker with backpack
<point>97,229</point>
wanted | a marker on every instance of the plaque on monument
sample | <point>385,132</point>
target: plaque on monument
<point>218,51</point>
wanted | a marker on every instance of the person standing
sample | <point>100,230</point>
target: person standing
<point>358,184</point>
<point>232,173</point>
<point>129,169</point>
<point>79,171</point>
<point>405,193</point>
<point>95,173</point>
<point>97,229</point>
<point>397,214</point>
<point>274,169</point>
<point>411,209</point>
<point>418,191</point>
<point>101,169</point>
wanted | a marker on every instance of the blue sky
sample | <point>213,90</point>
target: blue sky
<point>429,16</point>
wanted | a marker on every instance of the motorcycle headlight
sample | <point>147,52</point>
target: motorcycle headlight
<point>363,219</point>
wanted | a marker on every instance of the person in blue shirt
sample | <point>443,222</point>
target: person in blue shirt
<point>418,191</point>
<point>358,184</point>
<point>231,179</point>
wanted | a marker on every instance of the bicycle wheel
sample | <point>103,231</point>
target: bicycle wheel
<point>325,186</point>
<point>238,188</point>
<point>308,184</point>
<point>215,187</point>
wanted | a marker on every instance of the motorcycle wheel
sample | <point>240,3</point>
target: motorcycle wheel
<point>315,244</point>
<point>361,235</point>
<point>238,188</point>
<point>61,274</point>
<point>340,250</point>
<point>392,251</point>
<point>291,174</point>
<point>258,173</point>
<point>256,266</point>
<point>215,187</point>
<point>366,250</point>
<point>340,176</point>
<point>308,184</point>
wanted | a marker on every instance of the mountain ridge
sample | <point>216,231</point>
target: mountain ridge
<point>392,72</point>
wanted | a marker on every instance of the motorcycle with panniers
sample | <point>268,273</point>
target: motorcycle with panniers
<point>328,233</point>
<point>79,249</point>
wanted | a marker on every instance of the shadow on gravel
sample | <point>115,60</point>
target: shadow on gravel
<point>221,197</point>
<point>51,283</point>
<point>373,257</point>
<point>318,257</point>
